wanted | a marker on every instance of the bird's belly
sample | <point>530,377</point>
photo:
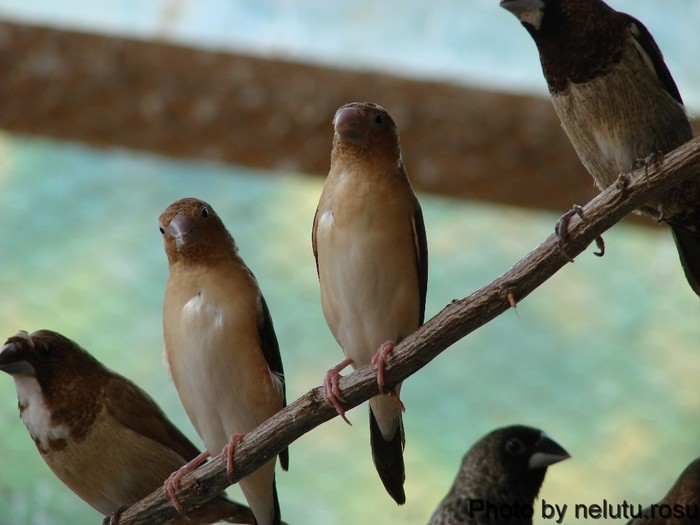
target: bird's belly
<point>112,465</point>
<point>605,148</point>
<point>219,372</point>
<point>619,119</point>
<point>368,296</point>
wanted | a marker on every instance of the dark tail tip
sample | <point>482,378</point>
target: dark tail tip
<point>277,518</point>
<point>388,459</point>
<point>688,244</point>
<point>284,459</point>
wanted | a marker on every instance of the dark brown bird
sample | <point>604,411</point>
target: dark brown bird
<point>101,435</point>
<point>372,261</point>
<point>500,478</point>
<point>617,102</point>
<point>681,506</point>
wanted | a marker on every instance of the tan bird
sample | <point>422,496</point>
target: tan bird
<point>103,436</point>
<point>220,344</point>
<point>372,261</point>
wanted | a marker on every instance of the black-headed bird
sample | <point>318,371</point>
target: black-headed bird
<point>617,102</point>
<point>500,478</point>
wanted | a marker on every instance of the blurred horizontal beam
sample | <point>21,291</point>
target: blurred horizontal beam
<point>178,101</point>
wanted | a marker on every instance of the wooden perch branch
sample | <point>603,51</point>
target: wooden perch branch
<point>454,322</point>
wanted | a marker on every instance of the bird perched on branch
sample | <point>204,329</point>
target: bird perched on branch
<point>681,506</point>
<point>499,478</point>
<point>617,102</point>
<point>220,345</point>
<point>372,261</point>
<point>100,434</point>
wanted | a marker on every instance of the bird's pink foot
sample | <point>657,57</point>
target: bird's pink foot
<point>331,391</point>
<point>227,453</point>
<point>173,482</point>
<point>379,361</point>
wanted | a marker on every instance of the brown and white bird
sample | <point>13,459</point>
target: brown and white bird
<point>681,506</point>
<point>617,102</point>
<point>100,434</point>
<point>372,261</point>
<point>220,344</point>
<point>500,478</point>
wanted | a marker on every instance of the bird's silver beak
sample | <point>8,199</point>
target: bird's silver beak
<point>527,11</point>
<point>547,452</point>
<point>12,360</point>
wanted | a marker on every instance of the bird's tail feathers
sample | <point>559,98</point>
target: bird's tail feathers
<point>688,244</point>
<point>388,458</point>
<point>284,459</point>
<point>277,518</point>
<point>262,497</point>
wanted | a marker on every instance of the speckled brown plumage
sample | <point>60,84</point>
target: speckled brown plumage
<point>683,499</point>
<point>617,102</point>
<point>80,378</point>
<point>101,435</point>
<point>499,478</point>
<point>578,40</point>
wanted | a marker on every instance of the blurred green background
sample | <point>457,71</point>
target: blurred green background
<point>604,356</point>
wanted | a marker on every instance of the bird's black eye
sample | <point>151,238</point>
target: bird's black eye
<point>162,231</point>
<point>379,120</point>
<point>205,212</point>
<point>515,447</point>
<point>43,350</point>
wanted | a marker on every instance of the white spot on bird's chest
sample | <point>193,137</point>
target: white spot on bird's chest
<point>200,311</point>
<point>35,415</point>
<point>325,220</point>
